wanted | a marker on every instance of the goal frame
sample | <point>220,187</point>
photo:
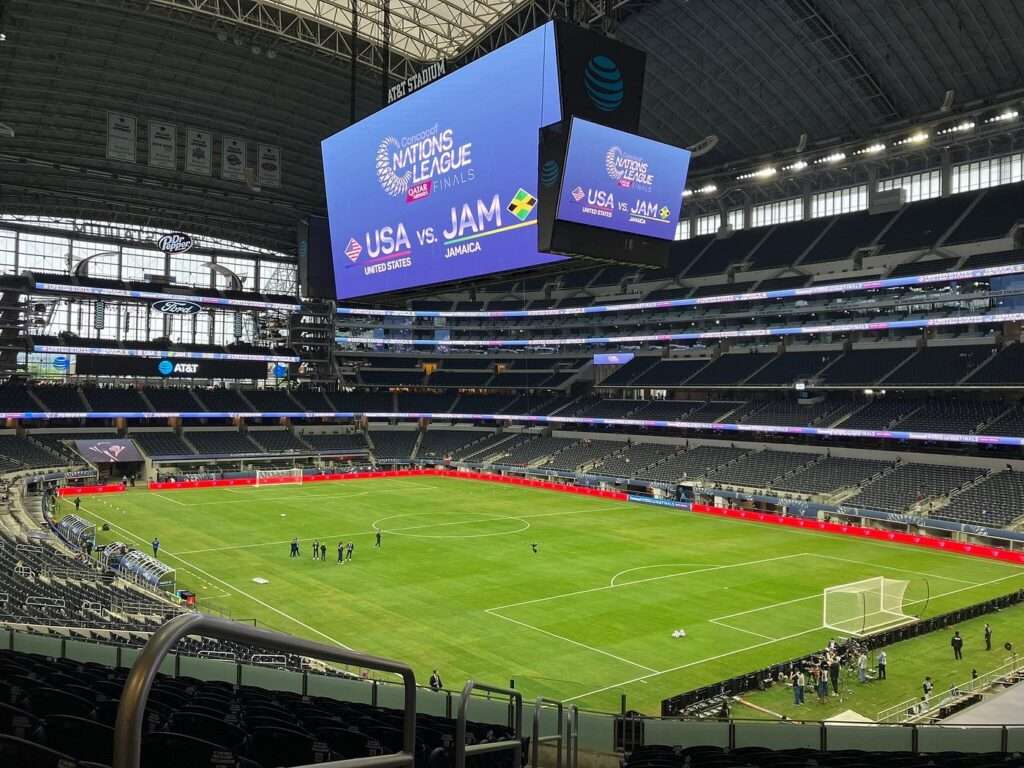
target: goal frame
<point>291,476</point>
<point>879,584</point>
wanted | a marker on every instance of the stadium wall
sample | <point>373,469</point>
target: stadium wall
<point>875,534</point>
<point>459,474</point>
<point>90,490</point>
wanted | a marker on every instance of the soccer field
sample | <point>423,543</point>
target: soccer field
<point>457,587</point>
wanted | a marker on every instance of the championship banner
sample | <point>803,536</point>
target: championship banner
<point>232,159</point>
<point>163,145</point>
<point>122,134</point>
<point>268,165</point>
<point>199,152</point>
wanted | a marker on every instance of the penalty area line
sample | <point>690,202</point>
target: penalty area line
<point>492,612</point>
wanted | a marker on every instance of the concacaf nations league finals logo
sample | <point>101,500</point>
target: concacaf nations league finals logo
<point>603,83</point>
<point>417,165</point>
<point>627,170</point>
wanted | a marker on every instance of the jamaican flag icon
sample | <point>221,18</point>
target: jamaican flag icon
<point>522,204</point>
<point>664,212</point>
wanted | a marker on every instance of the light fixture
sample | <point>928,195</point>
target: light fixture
<point>222,35</point>
<point>761,173</point>
<point>1002,117</point>
<point>918,137</point>
<point>966,125</point>
<point>271,54</point>
<point>6,132</point>
<point>835,157</point>
<point>871,149</point>
<point>707,189</point>
<point>3,37</point>
<point>687,192</point>
<point>256,50</point>
<point>799,165</point>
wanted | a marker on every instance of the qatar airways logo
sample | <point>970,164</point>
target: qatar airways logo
<point>416,166</point>
<point>627,170</point>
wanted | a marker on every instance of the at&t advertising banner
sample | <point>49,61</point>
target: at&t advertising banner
<point>442,185</point>
<point>621,181</point>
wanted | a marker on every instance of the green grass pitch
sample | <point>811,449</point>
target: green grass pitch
<point>587,618</point>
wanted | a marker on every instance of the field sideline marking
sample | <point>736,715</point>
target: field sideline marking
<point>223,583</point>
<point>643,581</point>
<point>493,612</point>
<point>895,568</point>
<point>407,528</point>
<point>644,678</point>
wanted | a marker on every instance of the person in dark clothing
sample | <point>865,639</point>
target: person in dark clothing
<point>435,681</point>
<point>833,674</point>
<point>988,637</point>
<point>341,553</point>
<point>958,644</point>
<point>295,548</point>
<point>323,552</point>
<point>349,549</point>
<point>316,549</point>
<point>78,502</point>
<point>376,542</point>
<point>156,545</point>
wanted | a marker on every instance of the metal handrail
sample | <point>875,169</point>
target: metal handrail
<point>537,738</point>
<point>515,744</point>
<point>128,728</point>
<point>572,737</point>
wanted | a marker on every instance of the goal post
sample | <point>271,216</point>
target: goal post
<point>279,476</point>
<point>863,607</point>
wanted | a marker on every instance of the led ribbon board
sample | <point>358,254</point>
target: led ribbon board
<point>639,306</point>
<point>212,301</point>
<point>172,354</point>
<point>936,437</point>
<point>751,333</point>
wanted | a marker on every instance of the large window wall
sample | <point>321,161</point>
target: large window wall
<point>34,245</point>
<point>30,245</point>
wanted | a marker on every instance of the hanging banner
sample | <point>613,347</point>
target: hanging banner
<point>122,133</point>
<point>268,165</point>
<point>163,145</point>
<point>199,152</point>
<point>232,160</point>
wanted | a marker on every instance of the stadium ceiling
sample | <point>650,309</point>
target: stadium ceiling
<point>424,30</point>
<point>760,73</point>
<point>756,73</point>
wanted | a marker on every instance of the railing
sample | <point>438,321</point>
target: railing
<point>128,729</point>
<point>515,744</point>
<point>537,738</point>
<point>912,709</point>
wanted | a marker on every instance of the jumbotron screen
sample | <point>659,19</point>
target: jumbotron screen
<point>621,181</point>
<point>442,184</point>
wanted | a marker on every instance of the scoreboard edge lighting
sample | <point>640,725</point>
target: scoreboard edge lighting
<point>443,185</point>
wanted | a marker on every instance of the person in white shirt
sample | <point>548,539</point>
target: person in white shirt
<point>881,664</point>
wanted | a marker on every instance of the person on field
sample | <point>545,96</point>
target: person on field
<point>957,643</point>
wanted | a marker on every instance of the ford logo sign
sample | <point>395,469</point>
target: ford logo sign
<point>176,242</point>
<point>177,307</point>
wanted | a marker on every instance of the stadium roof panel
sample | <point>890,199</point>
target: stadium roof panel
<point>419,29</point>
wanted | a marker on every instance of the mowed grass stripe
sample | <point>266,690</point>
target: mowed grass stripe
<point>425,600</point>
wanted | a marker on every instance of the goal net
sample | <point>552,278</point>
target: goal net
<point>278,476</point>
<point>862,607</point>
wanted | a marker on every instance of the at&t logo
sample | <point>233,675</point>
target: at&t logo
<point>167,367</point>
<point>603,83</point>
